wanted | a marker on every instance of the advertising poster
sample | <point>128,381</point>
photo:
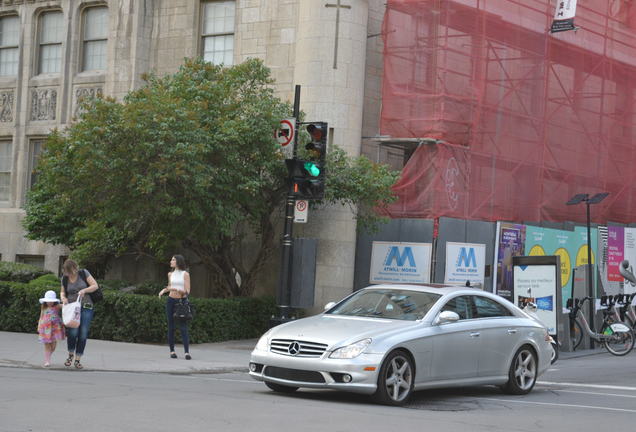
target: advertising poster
<point>537,284</point>
<point>510,242</point>
<point>569,246</point>
<point>465,262</point>
<point>617,244</point>
<point>615,252</point>
<point>564,14</point>
<point>396,262</point>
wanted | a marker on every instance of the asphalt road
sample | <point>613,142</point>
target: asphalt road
<point>584,394</point>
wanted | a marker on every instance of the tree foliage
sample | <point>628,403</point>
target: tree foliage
<point>187,161</point>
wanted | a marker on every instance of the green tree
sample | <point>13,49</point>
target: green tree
<point>189,160</point>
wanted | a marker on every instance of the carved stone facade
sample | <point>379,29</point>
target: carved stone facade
<point>43,104</point>
<point>6,106</point>
<point>81,94</point>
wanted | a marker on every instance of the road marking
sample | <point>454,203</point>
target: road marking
<point>562,405</point>
<point>596,393</point>
<point>596,386</point>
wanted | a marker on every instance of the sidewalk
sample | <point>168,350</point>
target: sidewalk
<point>23,350</point>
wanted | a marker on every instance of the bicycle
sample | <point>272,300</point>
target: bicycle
<point>616,337</point>
<point>576,332</point>
<point>626,311</point>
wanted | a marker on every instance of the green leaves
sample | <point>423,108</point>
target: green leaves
<point>187,160</point>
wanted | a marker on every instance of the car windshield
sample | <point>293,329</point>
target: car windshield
<point>387,303</point>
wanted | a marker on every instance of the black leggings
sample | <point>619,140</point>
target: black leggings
<point>183,326</point>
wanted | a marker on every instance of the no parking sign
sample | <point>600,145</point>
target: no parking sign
<point>301,211</point>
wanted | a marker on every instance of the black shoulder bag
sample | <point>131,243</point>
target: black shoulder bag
<point>183,310</point>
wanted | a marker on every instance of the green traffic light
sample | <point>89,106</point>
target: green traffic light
<point>312,169</point>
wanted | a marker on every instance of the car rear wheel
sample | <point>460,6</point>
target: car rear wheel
<point>523,372</point>
<point>280,388</point>
<point>396,378</point>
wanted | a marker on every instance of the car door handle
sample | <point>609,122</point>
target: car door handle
<point>512,331</point>
<point>474,334</point>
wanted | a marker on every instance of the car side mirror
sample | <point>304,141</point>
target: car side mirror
<point>447,317</point>
<point>329,305</point>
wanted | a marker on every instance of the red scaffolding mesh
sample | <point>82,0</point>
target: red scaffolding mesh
<point>525,119</point>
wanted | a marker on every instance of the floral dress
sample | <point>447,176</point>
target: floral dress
<point>50,325</point>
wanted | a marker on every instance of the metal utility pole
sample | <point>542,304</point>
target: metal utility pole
<point>591,292</point>
<point>284,290</point>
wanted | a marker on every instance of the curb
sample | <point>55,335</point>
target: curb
<point>207,371</point>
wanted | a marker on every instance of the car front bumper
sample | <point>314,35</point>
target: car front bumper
<point>326,373</point>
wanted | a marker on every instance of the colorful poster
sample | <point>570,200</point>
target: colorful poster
<point>465,262</point>
<point>537,284</point>
<point>618,245</point>
<point>615,252</point>
<point>510,242</point>
<point>569,246</point>
<point>395,262</point>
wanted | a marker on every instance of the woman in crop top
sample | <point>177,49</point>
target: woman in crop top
<point>178,288</point>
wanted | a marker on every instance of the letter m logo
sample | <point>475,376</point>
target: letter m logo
<point>466,258</point>
<point>400,258</point>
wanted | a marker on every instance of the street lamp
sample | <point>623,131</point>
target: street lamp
<point>577,199</point>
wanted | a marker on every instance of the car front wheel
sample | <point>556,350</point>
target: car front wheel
<point>523,372</point>
<point>396,378</point>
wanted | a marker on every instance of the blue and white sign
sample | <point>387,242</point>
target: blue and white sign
<point>465,262</point>
<point>400,263</point>
<point>538,284</point>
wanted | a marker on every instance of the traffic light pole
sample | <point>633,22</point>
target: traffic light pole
<point>284,289</point>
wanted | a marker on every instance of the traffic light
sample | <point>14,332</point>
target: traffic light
<point>308,175</point>
<point>317,152</point>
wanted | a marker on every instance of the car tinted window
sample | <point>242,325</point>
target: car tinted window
<point>488,308</point>
<point>462,306</point>
<point>387,303</point>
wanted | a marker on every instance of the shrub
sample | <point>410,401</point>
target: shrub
<point>20,272</point>
<point>46,282</point>
<point>142,318</point>
<point>149,288</point>
<point>113,284</point>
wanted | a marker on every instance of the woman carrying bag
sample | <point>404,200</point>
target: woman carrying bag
<point>178,288</point>
<point>74,286</point>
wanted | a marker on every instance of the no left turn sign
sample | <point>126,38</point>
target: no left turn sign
<point>285,136</point>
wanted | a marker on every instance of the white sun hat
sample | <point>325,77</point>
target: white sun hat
<point>49,297</point>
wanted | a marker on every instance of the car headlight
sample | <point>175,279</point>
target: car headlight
<point>350,351</point>
<point>263,342</point>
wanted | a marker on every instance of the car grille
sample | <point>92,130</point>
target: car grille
<point>294,374</point>
<point>297,348</point>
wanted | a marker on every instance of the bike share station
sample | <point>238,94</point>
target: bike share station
<point>537,283</point>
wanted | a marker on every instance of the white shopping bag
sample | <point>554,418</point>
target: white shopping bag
<point>71,314</point>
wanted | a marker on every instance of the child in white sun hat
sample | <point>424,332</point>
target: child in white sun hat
<point>50,325</point>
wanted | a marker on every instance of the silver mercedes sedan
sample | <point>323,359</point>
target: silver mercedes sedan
<point>390,340</point>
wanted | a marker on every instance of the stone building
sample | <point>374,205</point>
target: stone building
<point>55,52</point>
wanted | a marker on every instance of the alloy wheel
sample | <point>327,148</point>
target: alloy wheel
<point>525,370</point>
<point>399,378</point>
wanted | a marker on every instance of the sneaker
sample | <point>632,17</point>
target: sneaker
<point>187,357</point>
